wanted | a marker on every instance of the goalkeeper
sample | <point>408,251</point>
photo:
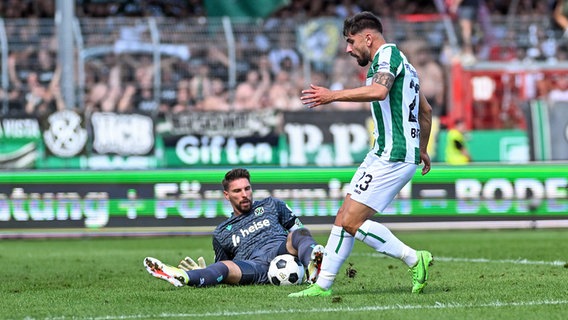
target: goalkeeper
<point>245,243</point>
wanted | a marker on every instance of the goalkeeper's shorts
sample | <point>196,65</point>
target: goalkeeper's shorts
<point>255,271</point>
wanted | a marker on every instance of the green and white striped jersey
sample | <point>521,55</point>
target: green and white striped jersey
<point>397,131</point>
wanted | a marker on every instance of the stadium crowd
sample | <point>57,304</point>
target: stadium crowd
<point>270,67</point>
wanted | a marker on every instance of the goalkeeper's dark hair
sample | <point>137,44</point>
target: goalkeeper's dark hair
<point>233,175</point>
<point>361,21</point>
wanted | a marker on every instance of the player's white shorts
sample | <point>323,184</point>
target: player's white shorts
<point>377,182</point>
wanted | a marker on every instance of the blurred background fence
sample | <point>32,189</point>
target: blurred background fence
<point>158,53</point>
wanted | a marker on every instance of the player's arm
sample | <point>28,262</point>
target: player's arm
<point>377,90</point>
<point>425,121</point>
<point>286,217</point>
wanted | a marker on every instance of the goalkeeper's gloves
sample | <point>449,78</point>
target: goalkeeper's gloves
<point>188,264</point>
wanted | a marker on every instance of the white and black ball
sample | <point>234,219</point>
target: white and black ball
<point>286,270</point>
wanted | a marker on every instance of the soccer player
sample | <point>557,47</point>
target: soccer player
<point>402,118</point>
<point>245,243</point>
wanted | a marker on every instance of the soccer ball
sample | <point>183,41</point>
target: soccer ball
<point>286,270</point>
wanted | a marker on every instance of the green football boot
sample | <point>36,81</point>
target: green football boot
<point>420,271</point>
<point>312,291</point>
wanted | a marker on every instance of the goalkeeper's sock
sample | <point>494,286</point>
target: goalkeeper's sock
<point>338,247</point>
<point>303,241</point>
<point>210,276</point>
<point>384,241</point>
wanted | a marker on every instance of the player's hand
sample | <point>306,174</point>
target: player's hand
<point>425,159</point>
<point>315,96</point>
<point>188,264</point>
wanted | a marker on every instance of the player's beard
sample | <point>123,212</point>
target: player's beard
<point>362,60</point>
<point>244,206</point>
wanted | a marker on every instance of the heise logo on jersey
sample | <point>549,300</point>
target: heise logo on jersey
<point>255,226</point>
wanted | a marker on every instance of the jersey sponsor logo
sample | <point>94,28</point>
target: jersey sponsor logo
<point>236,240</point>
<point>255,226</point>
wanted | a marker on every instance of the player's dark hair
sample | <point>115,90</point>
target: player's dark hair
<point>361,21</point>
<point>233,175</point>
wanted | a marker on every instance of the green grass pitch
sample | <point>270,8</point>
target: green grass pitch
<point>505,274</point>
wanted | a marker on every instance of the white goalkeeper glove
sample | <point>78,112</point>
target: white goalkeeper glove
<point>188,264</point>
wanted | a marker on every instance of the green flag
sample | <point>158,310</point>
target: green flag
<point>243,8</point>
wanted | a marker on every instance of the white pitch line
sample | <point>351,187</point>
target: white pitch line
<point>479,260</point>
<point>512,261</point>
<point>437,305</point>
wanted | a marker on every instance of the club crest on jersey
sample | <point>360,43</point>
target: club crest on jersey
<point>259,211</point>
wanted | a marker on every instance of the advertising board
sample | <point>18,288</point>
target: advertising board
<point>61,199</point>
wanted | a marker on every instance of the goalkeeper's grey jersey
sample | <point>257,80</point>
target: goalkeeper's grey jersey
<point>251,234</point>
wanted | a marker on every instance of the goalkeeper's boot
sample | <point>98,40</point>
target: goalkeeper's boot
<point>314,267</point>
<point>160,270</point>
<point>420,271</point>
<point>312,291</point>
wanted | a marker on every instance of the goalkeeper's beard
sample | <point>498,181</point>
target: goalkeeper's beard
<point>244,206</point>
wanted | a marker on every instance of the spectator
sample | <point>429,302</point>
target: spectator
<point>284,50</point>
<point>143,100</point>
<point>430,72</point>
<point>542,47</point>
<point>41,99</point>
<point>456,150</point>
<point>249,95</point>
<point>466,11</point>
<point>183,101</point>
<point>346,8</point>
<point>200,84</point>
<point>559,91</point>
<point>173,72</point>
<point>46,66</point>
<point>101,99</point>
<point>506,49</point>
<point>12,101</point>
<point>218,100</point>
<point>282,94</point>
<point>14,59</point>
<point>104,82</point>
<point>36,94</point>
<point>126,102</point>
<point>15,9</point>
<point>218,62</point>
<point>44,8</point>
